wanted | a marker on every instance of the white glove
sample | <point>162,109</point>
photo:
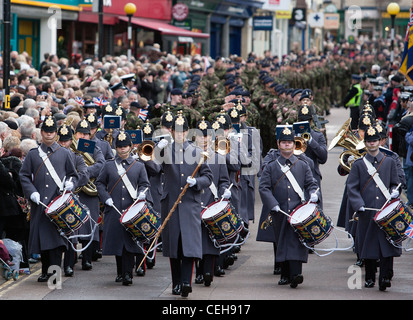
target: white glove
<point>394,194</point>
<point>35,197</point>
<point>351,158</point>
<point>362,208</point>
<point>69,185</point>
<point>142,196</point>
<point>276,208</point>
<point>227,194</point>
<point>191,181</point>
<point>162,144</point>
<point>313,197</point>
<point>109,202</point>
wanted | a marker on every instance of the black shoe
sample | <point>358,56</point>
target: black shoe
<point>43,277</point>
<point>296,280</point>
<point>186,290</point>
<point>283,281</point>
<point>385,283</point>
<point>119,278</point>
<point>369,283</point>
<point>86,266</point>
<point>127,279</point>
<point>140,272</point>
<point>177,290</point>
<point>359,263</point>
<point>68,272</point>
<point>219,272</point>
<point>207,279</point>
<point>277,270</point>
<point>150,263</point>
<point>199,279</point>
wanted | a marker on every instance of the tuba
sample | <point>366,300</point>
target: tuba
<point>347,139</point>
<point>90,188</point>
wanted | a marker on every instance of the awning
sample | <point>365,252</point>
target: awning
<point>164,28</point>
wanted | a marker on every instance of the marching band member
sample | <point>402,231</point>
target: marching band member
<point>82,131</point>
<point>266,233</point>
<point>182,235</point>
<point>45,172</point>
<point>119,184</point>
<point>65,134</point>
<point>217,189</point>
<point>283,184</point>
<point>368,190</point>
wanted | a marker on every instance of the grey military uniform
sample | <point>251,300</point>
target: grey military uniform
<point>110,185</point>
<point>370,241</point>
<point>185,221</point>
<point>35,177</point>
<point>275,189</point>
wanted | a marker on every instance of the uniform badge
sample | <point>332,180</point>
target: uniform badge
<point>91,118</point>
<point>108,108</point>
<point>371,131</point>
<point>169,117</point>
<point>83,124</point>
<point>304,110</point>
<point>118,111</point>
<point>49,122</point>
<point>234,113</point>
<point>180,121</point>
<point>202,125</point>
<point>122,136</point>
<point>147,129</point>
<point>215,125</point>
<point>366,121</point>
<point>286,131</point>
<point>64,130</point>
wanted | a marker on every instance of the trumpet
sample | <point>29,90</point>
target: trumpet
<point>300,145</point>
<point>222,145</point>
<point>145,150</point>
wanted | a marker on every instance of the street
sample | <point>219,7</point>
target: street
<point>330,277</point>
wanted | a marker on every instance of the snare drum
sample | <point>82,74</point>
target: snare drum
<point>141,221</point>
<point>394,219</point>
<point>310,223</point>
<point>67,213</point>
<point>222,222</point>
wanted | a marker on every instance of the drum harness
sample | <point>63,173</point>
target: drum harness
<point>60,185</point>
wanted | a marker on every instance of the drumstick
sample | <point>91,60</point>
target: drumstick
<point>387,201</point>
<point>229,188</point>
<point>202,160</point>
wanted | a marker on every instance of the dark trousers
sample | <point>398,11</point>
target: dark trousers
<point>354,115</point>
<point>385,268</point>
<point>206,265</point>
<point>125,263</point>
<point>181,267</point>
<point>70,257</point>
<point>291,268</point>
<point>51,257</point>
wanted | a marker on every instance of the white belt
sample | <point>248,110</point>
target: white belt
<point>51,169</point>
<point>122,173</point>
<point>286,169</point>
<point>375,175</point>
